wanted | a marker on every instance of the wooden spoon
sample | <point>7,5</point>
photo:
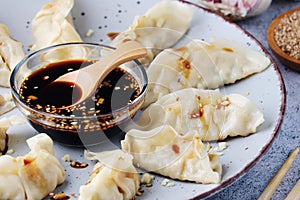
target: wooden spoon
<point>89,78</point>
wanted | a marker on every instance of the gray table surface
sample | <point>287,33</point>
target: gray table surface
<point>251,185</point>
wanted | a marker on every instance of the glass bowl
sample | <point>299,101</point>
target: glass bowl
<point>75,127</point>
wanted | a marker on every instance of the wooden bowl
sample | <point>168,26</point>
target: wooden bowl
<point>283,57</point>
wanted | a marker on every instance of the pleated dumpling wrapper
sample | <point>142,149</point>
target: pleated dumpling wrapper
<point>34,175</point>
<point>11,186</point>
<point>159,28</point>
<point>113,177</point>
<point>165,151</point>
<point>212,115</point>
<point>6,103</point>
<point>11,52</point>
<point>3,140</point>
<point>202,65</point>
<point>52,25</point>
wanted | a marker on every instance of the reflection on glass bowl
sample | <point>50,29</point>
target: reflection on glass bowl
<point>116,101</point>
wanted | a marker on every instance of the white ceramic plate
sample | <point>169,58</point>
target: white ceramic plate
<point>266,89</point>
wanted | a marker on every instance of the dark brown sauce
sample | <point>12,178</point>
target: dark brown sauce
<point>60,94</point>
<point>78,165</point>
<point>117,90</point>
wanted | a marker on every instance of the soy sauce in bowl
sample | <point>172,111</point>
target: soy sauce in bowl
<point>117,100</point>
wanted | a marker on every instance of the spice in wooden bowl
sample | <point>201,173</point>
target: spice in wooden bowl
<point>283,36</point>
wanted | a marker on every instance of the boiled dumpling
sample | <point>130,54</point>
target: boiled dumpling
<point>180,156</point>
<point>41,172</point>
<point>202,65</point>
<point>11,186</point>
<point>6,104</point>
<point>161,27</point>
<point>212,115</point>
<point>3,140</point>
<point>35,175</point>
<point>11,52</point>
<point>113,177</point>
<point>53,25</point>
<point>12,120</point>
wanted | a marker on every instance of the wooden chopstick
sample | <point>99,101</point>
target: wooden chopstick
<point>295,192</point>
<point>274,183</point>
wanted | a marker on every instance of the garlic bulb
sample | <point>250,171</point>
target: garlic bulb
<point>236,9</point>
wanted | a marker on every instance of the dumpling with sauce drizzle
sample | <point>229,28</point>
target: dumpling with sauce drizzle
<point>211,114</point>
<point>165,151</point>
<point>202,65</point>
<point>113,177</point>
<point>34,175</point>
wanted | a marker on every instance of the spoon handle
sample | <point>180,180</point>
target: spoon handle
<point>125,52</point>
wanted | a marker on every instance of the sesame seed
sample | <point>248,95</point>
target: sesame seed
<point>287,34</point>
